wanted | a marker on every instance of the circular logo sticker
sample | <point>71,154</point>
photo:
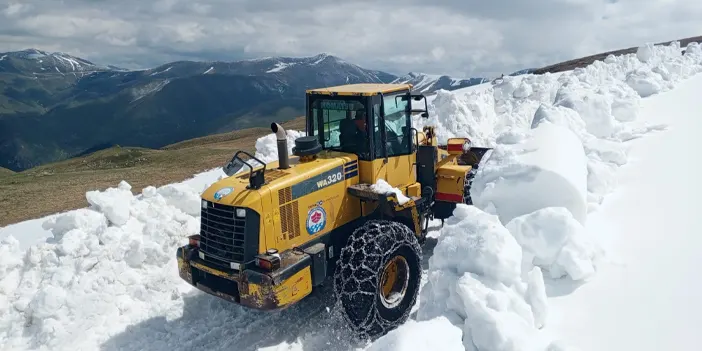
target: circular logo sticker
<point>223,192</point>
<point>316,220</point>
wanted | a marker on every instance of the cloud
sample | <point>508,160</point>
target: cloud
<point>458,37</point>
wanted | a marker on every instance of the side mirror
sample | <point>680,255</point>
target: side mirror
<point>424,112</point>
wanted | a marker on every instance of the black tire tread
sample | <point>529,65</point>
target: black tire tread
<point>358,273</point>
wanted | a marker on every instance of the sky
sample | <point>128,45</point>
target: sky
<point>462,38</point>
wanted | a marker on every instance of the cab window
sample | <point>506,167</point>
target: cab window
<point>337,116</point>
<point>397,124</point>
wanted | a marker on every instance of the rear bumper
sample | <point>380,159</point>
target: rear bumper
<point>250,288</point>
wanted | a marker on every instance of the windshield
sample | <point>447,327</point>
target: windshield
<point>333,112</point>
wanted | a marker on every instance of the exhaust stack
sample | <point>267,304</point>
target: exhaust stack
<point>283,159</point>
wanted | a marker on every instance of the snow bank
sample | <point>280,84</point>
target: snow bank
<point>547,168</point>
<point>475,280</point>
<point>106,267</point>
<point>553,240</point>
<point>558,141</point>
<point>599,103</point>
<point>31,231</point>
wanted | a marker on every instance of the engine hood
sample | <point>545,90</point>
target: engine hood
<point>234,190</point>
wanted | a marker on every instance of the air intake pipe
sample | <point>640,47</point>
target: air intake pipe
<point>280,135</point>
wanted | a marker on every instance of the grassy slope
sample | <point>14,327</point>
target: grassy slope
<point>61,186</point>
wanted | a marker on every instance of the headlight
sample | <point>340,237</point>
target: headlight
<point>204,204</point>
<point>241,212</point>
<point>466,146</point>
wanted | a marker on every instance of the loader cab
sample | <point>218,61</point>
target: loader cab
<point>371,121</point>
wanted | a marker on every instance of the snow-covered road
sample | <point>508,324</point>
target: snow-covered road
<point>651,298</point>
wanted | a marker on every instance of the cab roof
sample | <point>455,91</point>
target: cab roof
<point>361,89</point>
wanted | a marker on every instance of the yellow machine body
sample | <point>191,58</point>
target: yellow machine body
<point>298,217</point>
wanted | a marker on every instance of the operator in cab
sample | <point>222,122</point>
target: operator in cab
<point>353,133</point>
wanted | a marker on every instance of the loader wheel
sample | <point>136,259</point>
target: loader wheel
<point>377,277</point>
<point>467,199</point>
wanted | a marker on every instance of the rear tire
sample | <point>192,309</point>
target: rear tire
<point>377,277</point>
<point>467,183</point>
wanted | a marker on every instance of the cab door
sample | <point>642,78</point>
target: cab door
<point>396,127</point>
<point>393,159</point>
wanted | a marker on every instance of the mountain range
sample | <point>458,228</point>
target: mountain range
<point>55,106</point>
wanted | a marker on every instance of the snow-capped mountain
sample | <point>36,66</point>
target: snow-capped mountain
<point>106,105</point>
<point>428,83</point>
<point>318,69</point>
<point>34,61</point>
<point>103,105</point>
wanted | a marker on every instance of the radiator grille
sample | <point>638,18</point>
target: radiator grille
<point>223,238</point>
<point>289,214</point>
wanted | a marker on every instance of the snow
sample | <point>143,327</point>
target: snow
<point>160,72</point>
<point>475,280</point>
<point>422,82</point>
<point>31,231</point>
<point>279,67</point>
<point>149,88</point>
<point>411,336</point>
<point>319,58</point>
<point>555,241</point>
<point>647,296</point>
<point>548,167</point>
<point>381,186</point>
<point>267,146</point>
<point>572,127</point>
<point>70,61</point>
<point>102,268</point>
<point>582,219</point>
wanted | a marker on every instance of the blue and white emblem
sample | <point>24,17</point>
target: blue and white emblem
<point>316,219</point>
<point>222,193</point>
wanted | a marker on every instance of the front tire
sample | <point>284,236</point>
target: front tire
<point>377,277</point>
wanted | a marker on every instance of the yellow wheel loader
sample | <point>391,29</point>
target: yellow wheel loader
<point>272,233</point>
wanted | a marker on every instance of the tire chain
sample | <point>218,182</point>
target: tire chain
<point>371,244</point>
<point>468,183</point>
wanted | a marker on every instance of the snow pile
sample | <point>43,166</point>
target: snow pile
<point>452,116</point>
<point>664,66</point>
<point>267,146</point>
<point>547,168</point>
<point>598,103</point>
<point>382,187</point>
<point>476,282</point>
<point>114,203</point>
<point>558,140</point>
<point>103,270</point>
<point>555,241</point>
<point>483,114</point>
